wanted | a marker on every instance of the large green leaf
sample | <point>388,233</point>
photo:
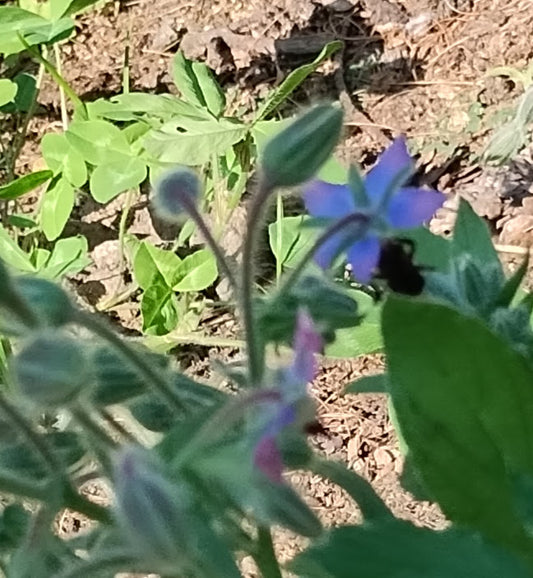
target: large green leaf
<point>56,208</point>
<point>8,91</point>
<point>69,256</point>
<point>98,141</point>
<point>397,549</point>
<point>464,403</point>
<point>62,157</point>
<point>23,185</point>
<point>34,29</point>
<point>364,338</point>
<point>471,235</point>
<point>295,79</point>
<point>295,240</point>
<point>195,145</point>
<point>131,106</point>
<point>150,261</point>
<point>158,309</point>
<point>112,178</point>
<point>196,272</point>
<point>12,254</point>
<point>197,85</point>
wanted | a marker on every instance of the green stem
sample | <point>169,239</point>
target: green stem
<point>83,417</point>
<point>116,426</point>
<point>265,556</point>
<point>39,444</point>
<point>359,219</point>
<point>78,503</point>
<point>122,225</point>
<point>105,561</point>
<point>62,99</point>
<point>52,70</point>
<point>14,484</point>
<point>223,420</point>
<point>254,343</point>
<point>152,376</point>
<point>279,235</point>
<point>197,218</point>
<point>371,505</point>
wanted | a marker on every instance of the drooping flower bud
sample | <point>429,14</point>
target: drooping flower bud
<point>176,191</point>
<point>297,153</point>
<point>51,370</point>
<point>152,510</point>
<point>30,303</point>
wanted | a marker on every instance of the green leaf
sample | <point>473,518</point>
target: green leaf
<point>215,100</point>
<point>8,91</point>
<point>368,384</point>
<point>150,262</point>
<point>23,185</point>
<point>69,256</point>
<point>465,409</point>
<point>158,309</point>
<point>196,272</point>
<point>135,105</point>
<point>195,145</point>
<point>34,29</point>
<point>365,338</point>
<point>57,205</point>
<point>397,549</point>
<point>62,157</point>
<point>26,92</point>
<point>60,8</point>
<point>112,178</point>
<point>12,254</point>
<point>14,522</point>
<point>98,141</point>
<point>511,288</point>
<point>330,305</point>
<point>471,235</point>
<point>295,79</point>
<point>296,240</point>
<point>197,85</point>
<point>431,250</point>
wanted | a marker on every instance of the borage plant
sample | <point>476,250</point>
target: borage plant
<point>199,477</point>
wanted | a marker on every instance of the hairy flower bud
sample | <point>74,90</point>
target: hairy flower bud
<point>30,303</point>
<point>176,191</point>
<point>151,510</point>
<point>51,370</point>
<point>297,153</point>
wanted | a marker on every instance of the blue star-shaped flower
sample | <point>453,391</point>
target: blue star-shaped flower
<point>388,204</point>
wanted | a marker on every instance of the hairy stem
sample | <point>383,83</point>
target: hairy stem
<point>254,343</point>
<point>153,377</point>
<point>265,556</point>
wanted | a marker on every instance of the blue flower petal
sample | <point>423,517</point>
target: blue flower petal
<point>393,161</point>
<point>363,256</point>
<point>411,207</point>
<point>330,249</point>
<point>327,200</point>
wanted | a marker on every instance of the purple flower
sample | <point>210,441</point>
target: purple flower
<point>388,203</point>
<point>292,389</point>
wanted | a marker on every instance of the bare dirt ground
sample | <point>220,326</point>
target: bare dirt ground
<point>408,66</point>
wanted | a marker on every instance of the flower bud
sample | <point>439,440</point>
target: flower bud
<point>51,370</point>
<point>176,191</point>
<point>297,153</point>
<point>151,510</point>
<point>30,303</point>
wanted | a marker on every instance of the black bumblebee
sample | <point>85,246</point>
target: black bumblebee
<point>397,269</point>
